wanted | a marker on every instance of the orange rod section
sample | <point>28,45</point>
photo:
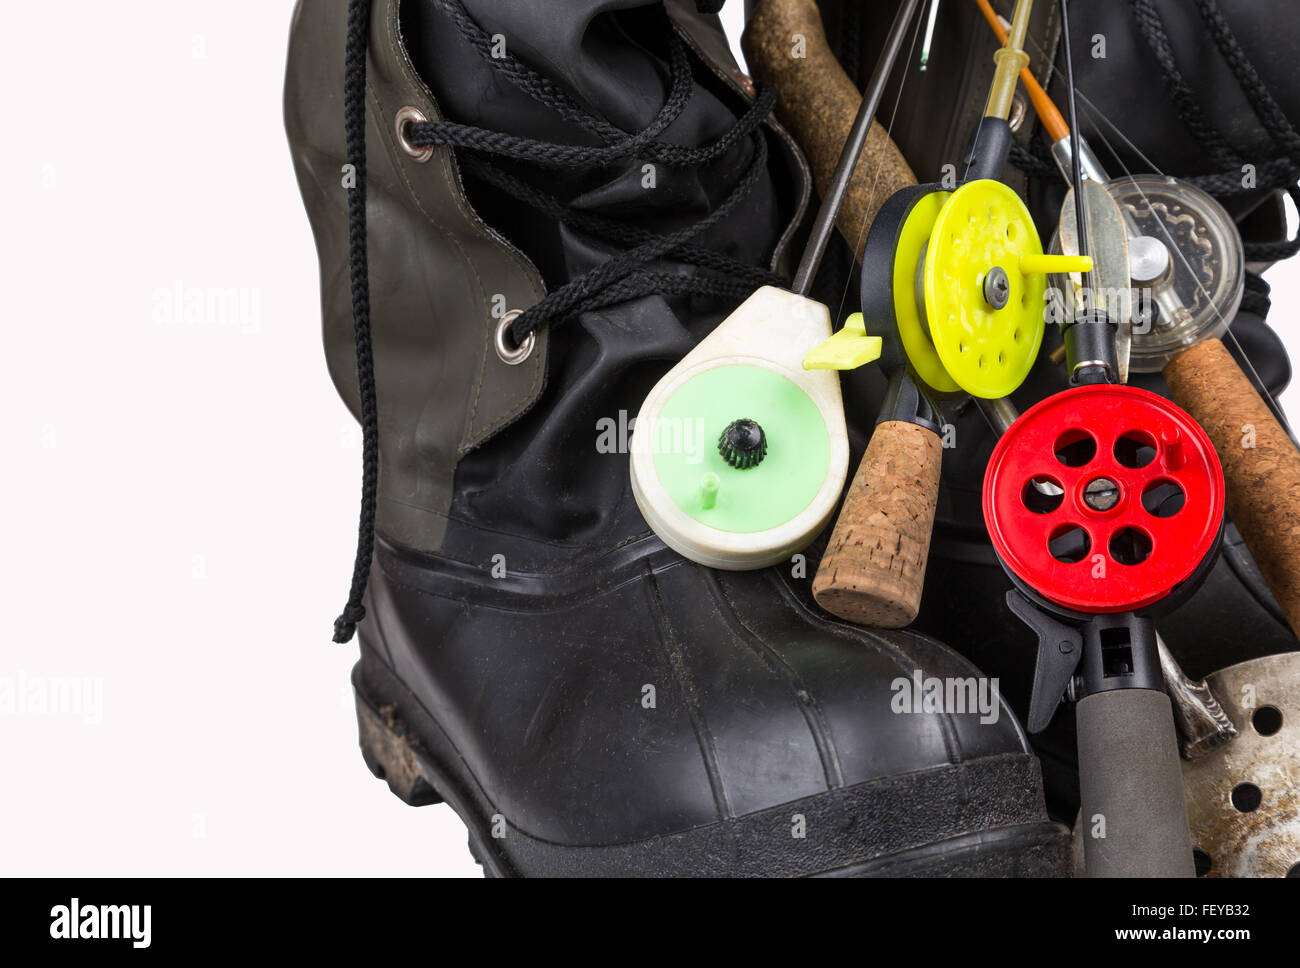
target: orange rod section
<point>1047,112</point>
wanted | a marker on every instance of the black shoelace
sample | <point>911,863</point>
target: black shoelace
<point>1281,171</point>
<point>618,279</point>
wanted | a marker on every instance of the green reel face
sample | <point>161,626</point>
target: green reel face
<point>740,453</point>
<point>684,440</point>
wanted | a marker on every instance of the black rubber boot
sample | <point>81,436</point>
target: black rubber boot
<point>585,699</point>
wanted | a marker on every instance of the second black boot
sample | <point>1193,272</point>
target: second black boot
<point>588,701</point>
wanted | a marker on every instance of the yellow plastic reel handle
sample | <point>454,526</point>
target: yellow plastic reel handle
<point>848,349</point>
<point>1044,264</point>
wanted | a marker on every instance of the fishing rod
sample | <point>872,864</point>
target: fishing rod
<point>1195,278</point>
<point>1095,566</point>
<point>911,239</point>
<point>1185,247</point>
<point>1077,485</point>
<point>935,257</point>
<point>1201,722</point>
<point>1093,569</point>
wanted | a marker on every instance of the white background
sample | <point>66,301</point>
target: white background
<point>180,497</point>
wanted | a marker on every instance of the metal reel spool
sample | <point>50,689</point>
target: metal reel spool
<point>1187,262</point>
<point>1140,504</point>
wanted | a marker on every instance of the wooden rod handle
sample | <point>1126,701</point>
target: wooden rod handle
<point>1260,462</point>
<point>786,48</point>
<point>874,567</point>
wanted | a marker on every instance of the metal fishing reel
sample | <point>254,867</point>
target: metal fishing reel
<point>1185,262</point>
<point>1104,499</point>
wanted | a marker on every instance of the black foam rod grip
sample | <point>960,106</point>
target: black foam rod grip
<point>1131,786</point>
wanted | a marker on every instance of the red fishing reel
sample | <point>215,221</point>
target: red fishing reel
<point>1104,499</point>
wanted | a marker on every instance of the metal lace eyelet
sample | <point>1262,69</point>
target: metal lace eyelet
<point>403,120</point>
<point>513,355</point>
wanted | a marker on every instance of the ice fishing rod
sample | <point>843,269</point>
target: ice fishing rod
<point>740,454</point>
<point>1184,251</point>
<point>1201,722</point>
<point>952,289</point>
<point>1132,526</point>
<point>1132,531</point>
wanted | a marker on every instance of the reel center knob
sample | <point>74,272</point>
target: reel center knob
<point>743,444</point>
<point>1101,494</point>
<point>1148,259</point>
<point>997,288</point>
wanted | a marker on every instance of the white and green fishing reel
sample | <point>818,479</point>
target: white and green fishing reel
<point>739,454</point>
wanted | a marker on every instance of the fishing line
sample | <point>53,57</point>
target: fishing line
<point>1080,212</point>
<point>1176,250</point>
<point>868,216</point>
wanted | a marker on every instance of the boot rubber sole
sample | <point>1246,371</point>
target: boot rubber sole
<point>405,747</point>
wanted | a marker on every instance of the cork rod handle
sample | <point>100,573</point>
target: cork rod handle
<point>786,48</point>
<point>874,567</point>
<point>1260,463</point>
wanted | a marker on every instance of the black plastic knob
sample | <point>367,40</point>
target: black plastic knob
<point>743,444</point>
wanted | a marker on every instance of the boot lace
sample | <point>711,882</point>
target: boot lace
<point>622,277</point>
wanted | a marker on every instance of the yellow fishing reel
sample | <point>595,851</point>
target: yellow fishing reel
<point>954,283</point>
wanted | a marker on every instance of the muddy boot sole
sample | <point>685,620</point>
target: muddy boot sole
<point>396,756</point>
